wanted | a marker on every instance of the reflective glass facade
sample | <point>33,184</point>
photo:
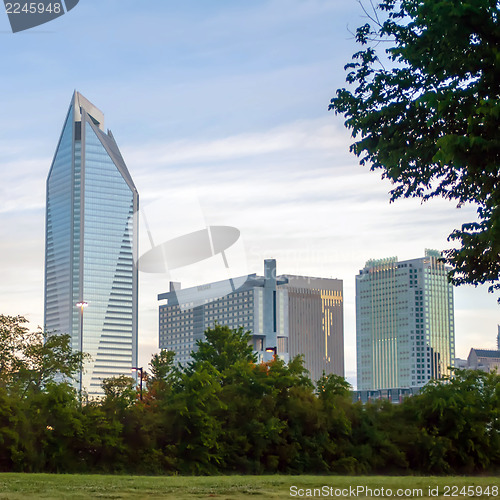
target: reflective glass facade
<point>91,238</point>
<point>59,292</point>
<point>405,333</point>
<point>316,312</point>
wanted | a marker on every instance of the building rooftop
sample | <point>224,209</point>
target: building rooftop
<point>486,353</point>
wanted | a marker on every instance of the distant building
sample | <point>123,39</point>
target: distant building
<point>255,304</point>
<point>316,323</point>
<point>405,332</point>
<point>292,314</point>
<point>90,239</point>
<point>484,359</point>
<point>462,364</point>
<point>394,395</point>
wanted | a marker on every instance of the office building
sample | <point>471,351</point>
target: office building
<point>460,363</point>
<point>486,360</point>
<point>404,322</point>
<point>255,304</point>
<point>292,314</point>
<point>91,239</point>
<point>316,323</point>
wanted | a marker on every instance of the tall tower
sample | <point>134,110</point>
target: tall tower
<point>405,331</point>
<point>90,242</point>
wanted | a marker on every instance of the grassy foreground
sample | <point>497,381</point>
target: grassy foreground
<point>47,486</point>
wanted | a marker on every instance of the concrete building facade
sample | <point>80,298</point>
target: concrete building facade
<point>484,359</point>
<point>292,314</point>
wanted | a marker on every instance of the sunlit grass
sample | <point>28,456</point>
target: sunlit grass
<point>67,486</point>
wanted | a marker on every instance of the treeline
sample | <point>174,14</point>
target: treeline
<point>227,414</point>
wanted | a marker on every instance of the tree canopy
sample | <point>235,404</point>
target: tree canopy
<point>430,120</point>
<point>31,360</point>
<point>223,347</point>
<point>226,413</point>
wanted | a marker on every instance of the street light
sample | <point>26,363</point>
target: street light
<point>138,369</point>
<point>82,305</point>
<point>274,350</point>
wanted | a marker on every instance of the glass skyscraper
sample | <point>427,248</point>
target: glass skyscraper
<point>90,243</point>
<point>405,333</point>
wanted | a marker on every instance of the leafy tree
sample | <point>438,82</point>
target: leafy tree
<point>292,420</point>
<point>46,358</point>
<point>196,427</point>
<point>297,407</point>
<point>246,407</point>
<point>30,360</point>
<point>223,347</point>
<point>100,446</point>
<point>11,421</point>
<point>207,404</point>
<point>333,393</point>
<point>430,120</point>
<point>249,418</point>
<point>375,429</point>
<point>163,374</point>
<point>331,387</point>
<point>119,391</point>
<point>54,420</point>
<point>458,422</point>
<point>119,415</point>
<point>161,365</point>
<point>13,336</point>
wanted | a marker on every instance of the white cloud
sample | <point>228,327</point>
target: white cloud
<point>305,135</point>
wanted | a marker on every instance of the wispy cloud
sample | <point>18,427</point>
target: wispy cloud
<point>305,135</point>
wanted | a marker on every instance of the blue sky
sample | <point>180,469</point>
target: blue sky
<point>220,110</point>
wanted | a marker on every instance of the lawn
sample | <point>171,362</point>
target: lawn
<point>46,486</point>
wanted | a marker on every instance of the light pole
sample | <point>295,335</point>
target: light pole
<point>82,305</point>
<point>138,369</point>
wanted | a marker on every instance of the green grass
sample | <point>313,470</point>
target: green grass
<point>47,486</point>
